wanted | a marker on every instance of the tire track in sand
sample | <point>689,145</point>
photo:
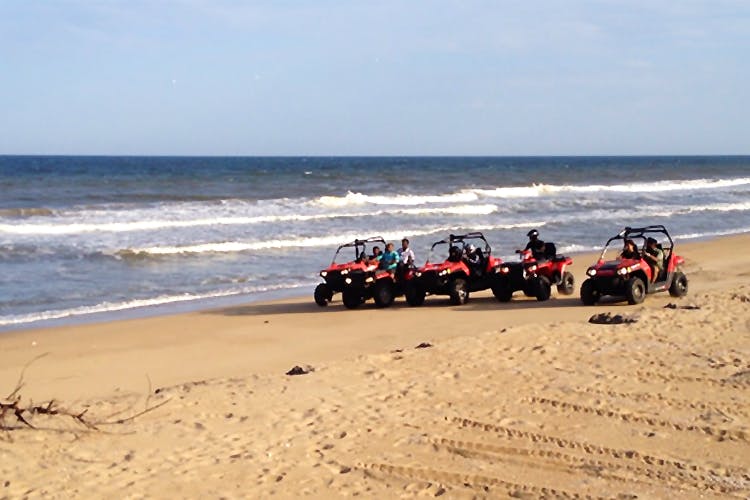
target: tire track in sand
<point>592,466</point>
<point>593,449</point>
<point>715,432</point>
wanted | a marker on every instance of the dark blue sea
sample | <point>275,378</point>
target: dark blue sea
<point>85,238</point>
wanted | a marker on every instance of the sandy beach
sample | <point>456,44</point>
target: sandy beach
<point>487,399</point>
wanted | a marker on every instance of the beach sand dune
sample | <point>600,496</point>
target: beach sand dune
<point>489,400</point>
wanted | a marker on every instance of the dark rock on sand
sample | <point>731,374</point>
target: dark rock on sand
<point>299,370</point>
<point>611,319</point>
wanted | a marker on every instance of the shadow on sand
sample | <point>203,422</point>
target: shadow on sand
<point>474,304</point>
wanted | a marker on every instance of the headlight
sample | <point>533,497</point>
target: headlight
<point>444,272</point>
<point>369,279</point>
<point>323,274</point>
<point>532,268</point>
<point>591,271</point>
<point>345,271</point>
<point>505,270</point>
<point>348,281</point>
<point>418,274</point>
<point>623,271</point>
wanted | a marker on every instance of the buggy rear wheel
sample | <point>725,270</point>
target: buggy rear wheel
<point>542,288</point>
<point>458,291</point>
<point>567,284</point>
<point>589,293</point>
<point>351,298</point>
<point>383,293</point>
<point>502,292</point>
<point>323,295</point>
<point>635,290</point>
<point>415,294</point>
<point>679,286</point>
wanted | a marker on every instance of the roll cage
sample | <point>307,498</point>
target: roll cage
<point>360,247</point>
<point>641,233</point>
<point>460,242</point>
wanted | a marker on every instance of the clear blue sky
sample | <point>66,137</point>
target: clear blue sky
<point>348,77</point>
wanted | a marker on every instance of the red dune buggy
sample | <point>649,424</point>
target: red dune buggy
<point>631,277</point>
<point>468,267</point>
<point>336,274</point>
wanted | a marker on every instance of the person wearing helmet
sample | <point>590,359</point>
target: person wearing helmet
<point>536,245</point>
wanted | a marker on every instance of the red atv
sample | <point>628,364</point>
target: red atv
<point>336,274</point>
<point>373,282</point>
<point>535,276</point>
<point>631,277</point>
<point>467,268</point>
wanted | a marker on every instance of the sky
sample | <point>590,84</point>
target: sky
<point>350,77</point>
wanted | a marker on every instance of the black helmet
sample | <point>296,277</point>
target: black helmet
<point>533,233</point>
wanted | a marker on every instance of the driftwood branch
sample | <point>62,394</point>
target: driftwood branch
<point>13,413</point>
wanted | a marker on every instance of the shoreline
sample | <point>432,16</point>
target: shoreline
<point>487,399</point>
<point>273,336</point>
<point>209,303</point>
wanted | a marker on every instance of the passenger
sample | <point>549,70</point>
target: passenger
<point>389,259</point>
<point>629,250</point>
<point>473,259</point>
<point>406,254</point>
<point>654,256</point>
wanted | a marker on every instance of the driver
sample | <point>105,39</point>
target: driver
<point>629,250</point>
<point>536,245</point>
<point>377,254</point>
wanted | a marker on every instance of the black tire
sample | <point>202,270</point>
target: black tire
<point>679,286</point>
<point>635,290</point>
<point>351,299</point>
<point>458,290</point>
<point>589,293</point>
<point>542,288</point>
<point>567,284</point>
<point>415,294</point>
<point>502,292</point>
<point>383,293</point>
<point>323,295</point>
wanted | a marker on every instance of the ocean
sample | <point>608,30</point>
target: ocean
<point>93,238</point>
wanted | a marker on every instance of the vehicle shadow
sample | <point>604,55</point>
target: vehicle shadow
<point>484,303</point>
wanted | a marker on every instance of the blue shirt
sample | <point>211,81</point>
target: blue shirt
<point>389,260</point>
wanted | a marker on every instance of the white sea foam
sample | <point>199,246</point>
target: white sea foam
<point>316,241</point>
<point>711,234</point>
<point>103,307</point>
<point>397,199</point>
<point>64,228</point>
<point>535,190</point>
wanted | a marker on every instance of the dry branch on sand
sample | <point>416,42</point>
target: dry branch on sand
<point>14,414</point>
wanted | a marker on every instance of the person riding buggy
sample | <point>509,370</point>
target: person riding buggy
<point>334,276</point>
<point>634,274</point>
<point>468,266</point>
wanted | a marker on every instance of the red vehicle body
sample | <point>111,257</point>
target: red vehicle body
<point>455,276</point>
<point>535,277</point>
<point>336,274</point>
<point>632,278</point>
<point>372,282</point>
